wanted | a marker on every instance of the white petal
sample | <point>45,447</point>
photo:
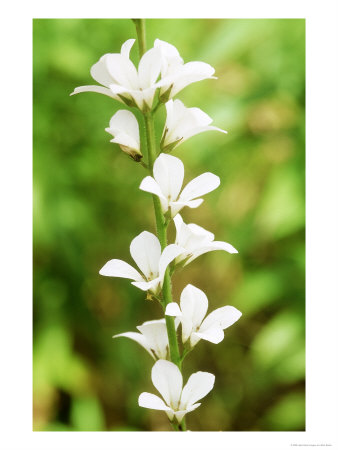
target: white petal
<point>196,229</point>
<point>100,72</point>
<point>197,387</point>
<point>189,239</point>
<point>169,106</point>
<point>129,93</point>
<point>214,335</point>
<point>223,317</point>
<point>122,70</point>
<point>149,68</point>
<point>169,50</point>
<point>153,285</point>
<point>168,255</point>
<point>125,122</point>
<point>151,401</point>
<point>181,120</point>
<point>155,332</point>
<point>199,186</point>
<point>126,142</point>
<point>190,73</point>
<point>126,47</point>
<point>209,247</point>
<point>169,174</point>
<point>178,221</point>
<point>98,89</point>
<point>148,184</point>
<point>180,414</point>
<point>137,337</point>
<point>118,268</point>
<point>167,379</point>
<point>194,306</point>
<point>175,207</point>
<point>197,130</point>
<point>201,118</point>
<point>145,250</point>
<point>172,309</point>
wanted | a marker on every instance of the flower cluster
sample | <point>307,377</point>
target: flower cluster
<point>160,76</point>
<point>161,72</point>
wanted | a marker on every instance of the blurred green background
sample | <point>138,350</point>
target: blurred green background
<point>87,209</point>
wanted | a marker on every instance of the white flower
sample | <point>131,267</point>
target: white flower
<point>167,379</point>
<point>167,184</point>
<point>145,250</point>
<point>153,337</point>
<point>175,75</point>
<point>120,80</point>
<point>183,123</point>
<point>123,126</point>
<point>196,241</point>
<point>194,306</point>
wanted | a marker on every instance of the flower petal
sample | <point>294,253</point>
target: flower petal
<point>175,207</point>
<point>122,70</point>
<point>169,174</point>
<point>178,221</point>
<point>214,335</point>
<point>190,73</point>
<point>100,72</point>
<point>168,50</point>
<point>197,130</point>
<point>199,186</point>
<point>98,89</point>
<point>167,379</point>
<point>170,120</point>
<point>197,387</point>
<point>155,332</point>
<point>194,306</point>
<point>148,184</point>
<point>126,123</point>
<point>137,337</point>
<point>152,285</point>
<point>172,309</point>
<point>145,250</point>
<point>168,255</point>
<point>209,247</point>
<point>181,120</point>
<point>180,414</point>
<point>126,47</point>
<point>151,401</point>
<point>223,317</point>
<point>196,229</point>
<point>126,143</point>
<point>121,269</point>
<point>149,68</point>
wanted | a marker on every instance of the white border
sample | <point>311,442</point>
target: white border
<point>322,226</point>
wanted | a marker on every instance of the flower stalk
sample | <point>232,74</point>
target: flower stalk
<point>161,224</point>
<point>160,75</point>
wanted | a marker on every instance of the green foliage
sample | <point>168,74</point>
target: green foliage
<point>87,209</point>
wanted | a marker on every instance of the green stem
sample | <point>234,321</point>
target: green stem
<point>141,35</point>
<point>162,236</point>
<point>161,225</point>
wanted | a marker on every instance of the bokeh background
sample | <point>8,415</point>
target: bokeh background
<point>87,209</point>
